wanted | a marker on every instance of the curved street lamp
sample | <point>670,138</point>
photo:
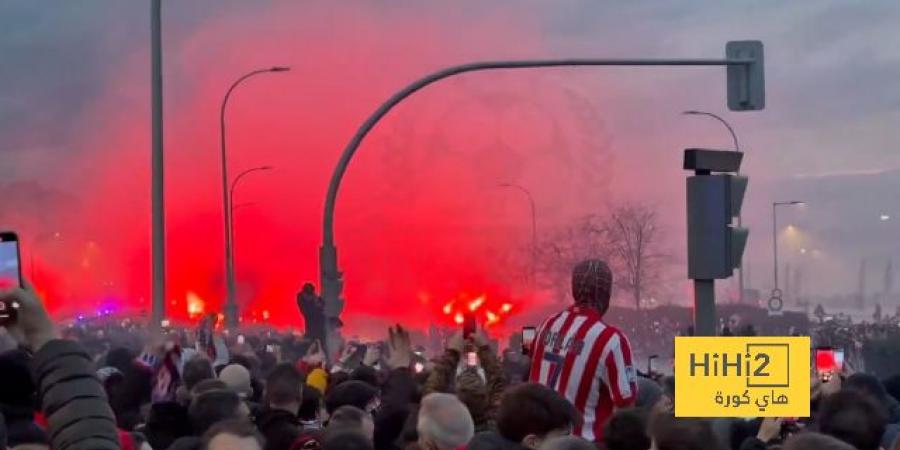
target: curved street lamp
<point>231,317</point>
<point>734,138</point>
<point>775,206</point>
<point>233,207</point>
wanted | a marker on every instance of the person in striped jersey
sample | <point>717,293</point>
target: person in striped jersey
<point>583,358</point>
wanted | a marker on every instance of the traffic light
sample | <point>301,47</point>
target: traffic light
<point>746,82</point>
<point>715,245</point>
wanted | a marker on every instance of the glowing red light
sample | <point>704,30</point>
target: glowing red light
<point>475,304</point>
<point>506,307</point>
<point>448,308</point>
<point>195,305</point>
<point>458,318</point>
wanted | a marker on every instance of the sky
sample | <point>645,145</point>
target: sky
<point>420,218</point>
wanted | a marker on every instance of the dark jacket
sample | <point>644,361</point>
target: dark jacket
<point>491,440</point>
<point>396,396</point>
<point>187,443</point>
<point>280,428</point>
<point>72,399</point>
<point>753,443</point>
<point>443,376</point>
<point>167,422</point>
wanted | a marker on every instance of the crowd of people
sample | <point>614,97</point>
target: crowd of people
<point>576,387</point>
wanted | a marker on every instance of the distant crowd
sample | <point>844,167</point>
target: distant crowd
<point>577,385</point>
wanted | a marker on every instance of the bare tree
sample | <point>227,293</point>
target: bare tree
<point>567,246</point>
<point>634,239</point>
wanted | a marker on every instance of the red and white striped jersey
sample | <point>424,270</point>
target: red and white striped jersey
<point>589,363</point>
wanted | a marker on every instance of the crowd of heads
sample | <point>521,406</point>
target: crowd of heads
<point>198,389</point>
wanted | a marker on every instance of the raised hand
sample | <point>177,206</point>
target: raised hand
<point>480,337</point>
<point>401,348</point>
<point>349,351</point>
<point>457,342</point>
<point>314,354</point>
<point>373,355</point>
<point>769,429</point>
<point>33,328</point>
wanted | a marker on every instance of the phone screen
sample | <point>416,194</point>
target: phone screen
<point>419,367</point>
<point>10,276</point>
<point>839,360</point>
<point>825,362</point>
<point>9,261</point>
<point>528,336</point>
<point>472,359</point>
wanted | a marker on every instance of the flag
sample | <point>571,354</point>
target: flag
<point>168,377</point>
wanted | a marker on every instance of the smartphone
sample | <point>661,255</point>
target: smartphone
<point>472,359</point>
<point>241,339</point>
<point>360,352</point>
<point>839,360</point>
<point>419,367</point>
<point>528,336</point>
<point>826,365</point>
<point>10,274</point>
<point>468,325</point>
<point>270,348</point>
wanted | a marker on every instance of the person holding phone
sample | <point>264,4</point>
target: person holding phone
<point>10,274</point>
<point>470,369</point>
<point>583,358</point>
<point>71,396</point>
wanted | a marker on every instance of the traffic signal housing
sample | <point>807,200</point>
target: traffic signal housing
<point>715,244</point>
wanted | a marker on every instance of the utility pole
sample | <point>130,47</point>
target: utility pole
<point>776,301</point>
<point>158,220</point>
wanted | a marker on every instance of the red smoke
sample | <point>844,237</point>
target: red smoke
<point>420,218</point>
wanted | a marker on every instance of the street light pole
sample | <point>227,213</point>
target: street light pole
<point>232,207</point>
<point>744,71</point>
<point>157,189</point>
<point>737,148</point>
<point>533,227</point>
<point>231,317</point>
<point>775,206</point>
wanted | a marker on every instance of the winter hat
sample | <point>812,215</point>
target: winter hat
<point>649,392</point>
<point>237,377</point>
<point>318,379</point>
<point>592,284</point>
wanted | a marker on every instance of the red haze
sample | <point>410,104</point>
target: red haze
<point>420,218</point>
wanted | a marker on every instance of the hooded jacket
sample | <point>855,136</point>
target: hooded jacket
<point>280,428</point>
<point>491,440</point>
<point>78,414</point>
